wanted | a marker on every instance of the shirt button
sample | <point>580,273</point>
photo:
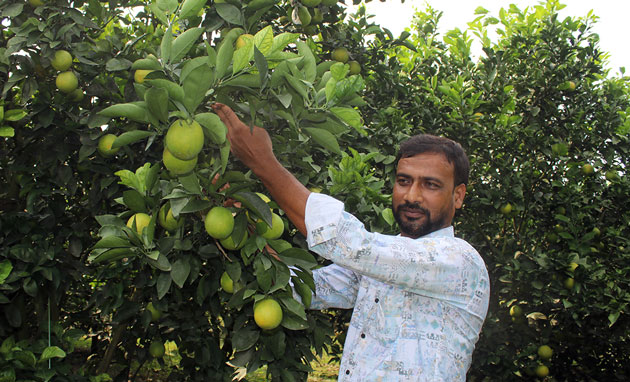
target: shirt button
<point>362,335</point>
<point>376,300</point>
<point>347,372</point>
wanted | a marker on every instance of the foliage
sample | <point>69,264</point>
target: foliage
<point>532,111</point>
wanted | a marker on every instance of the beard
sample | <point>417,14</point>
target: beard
<point>417,227</point>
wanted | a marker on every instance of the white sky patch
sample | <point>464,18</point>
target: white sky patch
<point>612,26</point>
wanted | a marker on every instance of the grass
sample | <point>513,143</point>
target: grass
<point>323,371</point>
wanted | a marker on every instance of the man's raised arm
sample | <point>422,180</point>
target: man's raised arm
<point>254,149</point>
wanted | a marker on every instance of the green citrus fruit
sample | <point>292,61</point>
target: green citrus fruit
<point>316,16</point>
<point>545,352</point>
<point>515,311</point>
<point>242,40</point>
<point>587,169</point>
<point>157,349</point>
<point>340,55</point>
<point>156,314</point>
<point>612,175</point>
<point>105,145</point>
<point>167,220</point>
<point>267,314</point>
<point>355,67</point>
<point>184,140</point>
<point>571,85</point>
<point>560,149</point>
<point>506,209</point>
<point>542,371</point>
<point>142,221</point>
<point>229,244</point>
<point>66,82</point>
<point>596,231</point>
<point>177,166</point>
<point>573,266</point>
<point>219,222</point>
<point>226,283</point>
<point>77,95</point>
<point>569,283</point>
<point>304,15</point>
<point>62,60</point>
<point>276,230</point>
<point>140,74</point>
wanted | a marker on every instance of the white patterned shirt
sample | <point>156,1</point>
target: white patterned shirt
<point>419,304</point>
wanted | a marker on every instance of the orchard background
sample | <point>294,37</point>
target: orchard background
<point>84,296</point>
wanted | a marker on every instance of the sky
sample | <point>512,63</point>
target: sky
<point>612,27</point>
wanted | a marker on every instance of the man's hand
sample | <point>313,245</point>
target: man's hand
<point>253,147</point>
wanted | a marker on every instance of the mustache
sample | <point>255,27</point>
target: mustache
<point>413,207</point>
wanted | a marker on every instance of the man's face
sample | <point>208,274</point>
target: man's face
<point>425,197</point>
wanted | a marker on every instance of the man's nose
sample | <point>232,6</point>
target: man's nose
<point>414,194</point>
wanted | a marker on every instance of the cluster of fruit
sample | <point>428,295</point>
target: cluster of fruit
<point>308,14</point>
<point>66,81</point>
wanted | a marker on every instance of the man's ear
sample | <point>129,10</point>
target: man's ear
<point>458,195</point>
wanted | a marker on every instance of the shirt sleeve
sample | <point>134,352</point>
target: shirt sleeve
<point>335,287</point>
<point>440,267</point>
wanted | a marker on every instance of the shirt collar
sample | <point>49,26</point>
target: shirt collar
<point>443,232</point>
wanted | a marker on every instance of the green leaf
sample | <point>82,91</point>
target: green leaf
<point>131,111</point>
<point>130,137</point>
<point>298,257</point>
<point>195,205</point>
<point>52,352</point>
<point>224,59</point>
<point>7,132</point>
<point>309,67</point>
<point>180,271</point>
<point>297,85</point>
<point>263,275</point>
<point>175,92</point>
<point>244,338</point>
<point>112,242</point>
<point>167,5</point>
<point>134,200</point>
<point>339,71</point>
<point>230,13</point>
<point>293,306</point>
<point>191,184</point>
<point>196,84</point>
<point>349,116</point>
<point>324,138</point>
<point>163,284</point>
<point>184,42</point>
<point>214,128</point>
<point>282,40</point>
<point>14,115</point>
<point>254,203</point>
<point>191,8</point>
<point>146,64</point>
<point>166,45</point>
<point>264,40</point>
<point>117,65</point>
<point>5,269</point>
<point>157,103</point>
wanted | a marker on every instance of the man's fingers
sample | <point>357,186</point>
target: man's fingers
<point>227,115</point>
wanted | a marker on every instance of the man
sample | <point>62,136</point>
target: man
<point>419,298</point>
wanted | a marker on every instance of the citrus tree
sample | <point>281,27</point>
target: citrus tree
<point>126,225</point>
<point>546,130</point>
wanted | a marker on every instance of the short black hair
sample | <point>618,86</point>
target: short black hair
<point>453,151</point>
